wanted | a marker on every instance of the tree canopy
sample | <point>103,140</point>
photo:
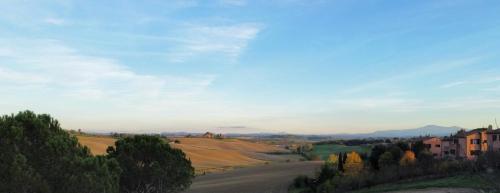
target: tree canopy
<point>38,156</point>
<point>150,165</point>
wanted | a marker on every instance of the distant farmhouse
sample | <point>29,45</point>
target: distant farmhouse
<point>212,135</point>
<point>464,144</point>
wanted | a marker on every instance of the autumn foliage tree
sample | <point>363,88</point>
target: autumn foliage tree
<point>333,159</point>
<point>353,164</point>
<point>408,159</point>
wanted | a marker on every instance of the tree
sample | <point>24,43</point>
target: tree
<point>408,159</point>
<point>38,156</point>
<point>386,159</point>
<point>396,152</point>
<point>150,165</point>
<point>353,164</point>
<point>418,147</point>
<point>403,146</point>
<point>375,155</point>
<point>340,167</point>
<point>333,159</point>
<point>327,172</point>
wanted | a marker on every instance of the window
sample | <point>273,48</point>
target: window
<point>437,145</point>
<point>452,151</point>
<point>495,137</point>
<point>475,152</point>
<point>428,146</point>
<point>455,141</point>
<point>475,141</point>
<point>446,152</point>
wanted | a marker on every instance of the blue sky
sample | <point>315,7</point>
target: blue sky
<point>252,66</point>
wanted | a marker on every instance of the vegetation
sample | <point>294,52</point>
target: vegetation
<point>325,150</point>
<point>38,156</point>
<point>474,181</point>
<point>150,164</point>
<point>391,163</point>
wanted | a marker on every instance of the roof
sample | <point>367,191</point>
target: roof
<point>496,131</point>
<point>478,130</point>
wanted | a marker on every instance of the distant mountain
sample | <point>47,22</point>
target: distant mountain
<point>432,130</point>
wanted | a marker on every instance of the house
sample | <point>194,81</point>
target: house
<point>208,135</point>
<point>493,138</point>
<point>477,142</point>
<point>433,144</point>
<point>212,135</point>
<point>464,144</point>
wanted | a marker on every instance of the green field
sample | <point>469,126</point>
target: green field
<point>473,181</point>
<point>324,150</point>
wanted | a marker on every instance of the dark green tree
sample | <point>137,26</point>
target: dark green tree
<point>38,156</point>
<point>418,147</point>
<point>150,165</point>
<point>403,146</point>
<point>375,155</point>
<point>396,152</point>
<point>340,166</point>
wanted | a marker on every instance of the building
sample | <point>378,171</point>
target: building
<point>493,138</point>
<point>464,144</point>
<point>433,144</point>
<point>477,142</point>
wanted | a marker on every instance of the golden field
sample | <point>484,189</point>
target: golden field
<point>206,155</point>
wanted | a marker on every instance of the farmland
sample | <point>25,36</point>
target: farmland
<point>324,150</point>
<point>273,178</point>
<point>210,155</point>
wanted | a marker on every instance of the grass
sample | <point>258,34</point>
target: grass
<point>473,181</point>
<point>324,150</point>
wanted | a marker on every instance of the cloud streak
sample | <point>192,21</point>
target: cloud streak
<point>222,40</point>
<point>49,64</point>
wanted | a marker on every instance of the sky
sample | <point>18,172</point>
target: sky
<point>238,66</point>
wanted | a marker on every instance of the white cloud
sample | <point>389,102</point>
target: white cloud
<point>228,41</point>
<point>54,21</point>
<point>454,84</point>
<point>49,65</point>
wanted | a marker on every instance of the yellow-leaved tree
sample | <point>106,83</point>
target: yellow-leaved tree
<point>353,164</point>
<point>333,159</point>
<point>408,159</point>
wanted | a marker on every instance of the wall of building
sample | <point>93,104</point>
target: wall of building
<point>434,146</point>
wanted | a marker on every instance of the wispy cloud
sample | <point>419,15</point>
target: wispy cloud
<point>226,40</point>
<point>51,65</point>
<point>54,21</point>
<point>419,72</point>
<point>453,84</point>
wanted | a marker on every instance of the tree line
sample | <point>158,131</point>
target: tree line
<point>38,156</point>
<point>388,163</point>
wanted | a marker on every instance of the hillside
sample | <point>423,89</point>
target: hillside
<point>432,130</point>
<point>208,155</point>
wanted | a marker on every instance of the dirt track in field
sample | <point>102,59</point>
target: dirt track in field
<point>272,178</point>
